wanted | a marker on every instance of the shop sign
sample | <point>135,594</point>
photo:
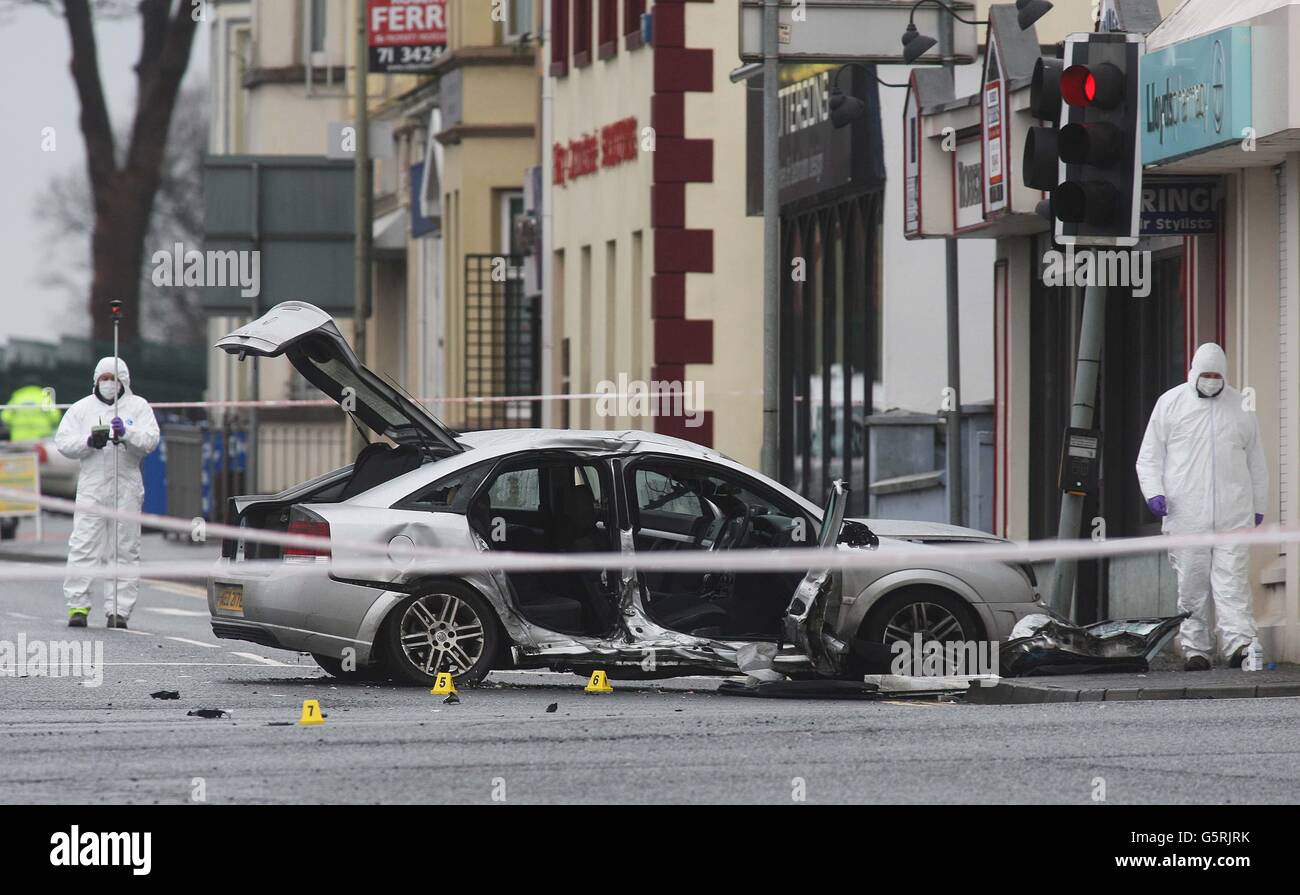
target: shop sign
<point>406,36</point>
<point>587,154</point>
<point>993,120</point>
<point>1196,95</point>
<point>968,185</point>
<point>1179,206</point>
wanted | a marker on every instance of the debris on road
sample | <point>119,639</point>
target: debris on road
<point>452,699</point>
<point>1044,645</point>
<point>552,707</point>
<point>209,713</point>
<point>165,694</point>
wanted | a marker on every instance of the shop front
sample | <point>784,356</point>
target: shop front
<point>832,195</point>
<point>1218,261</point>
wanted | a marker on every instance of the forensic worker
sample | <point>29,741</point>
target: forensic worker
<point>1202,468</point>
<point>92,433</point>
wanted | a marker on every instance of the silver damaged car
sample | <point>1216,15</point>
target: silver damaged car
<point>417,484</point>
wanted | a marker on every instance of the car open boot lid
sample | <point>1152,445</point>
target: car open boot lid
<point>311,341</point>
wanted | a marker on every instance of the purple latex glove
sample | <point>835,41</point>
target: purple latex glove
<point>1158,506</point>
<point>1259,519</point>
<point>119,427</point>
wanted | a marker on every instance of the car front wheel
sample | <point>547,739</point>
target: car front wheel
<point>450,629</point>
<point>935,614</point>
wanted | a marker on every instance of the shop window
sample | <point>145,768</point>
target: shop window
<point>829,346</point>
<point>559,38</point>
<point>582,15</point>
<point>608,44</point>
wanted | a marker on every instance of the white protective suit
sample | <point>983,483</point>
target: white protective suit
<point>91,541</point>
<point>1204,455</point>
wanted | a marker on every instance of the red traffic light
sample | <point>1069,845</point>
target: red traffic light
<point>1097,85</point>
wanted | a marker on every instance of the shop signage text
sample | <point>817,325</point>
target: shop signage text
<point>1184,207</point>
<point>1196,94</point>
<point>994,124</point>
<point>968,182</point>
<point>587,154</point>
<point>406,36</point>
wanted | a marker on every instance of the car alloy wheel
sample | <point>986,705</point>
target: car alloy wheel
<point>933,622</point>
<point>441,632</point>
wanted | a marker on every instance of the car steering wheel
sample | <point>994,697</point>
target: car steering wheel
<point>735,529</point>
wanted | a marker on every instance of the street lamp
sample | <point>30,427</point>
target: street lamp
<point>915,44</point>
<point>1030,11</point>
<point>845,109</point>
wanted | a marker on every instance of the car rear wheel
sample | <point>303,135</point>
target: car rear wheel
<point>449,629</point>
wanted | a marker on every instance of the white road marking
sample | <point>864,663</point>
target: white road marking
<point>172,587</point>
<point>134,631</point>
<point>195,642</point>
<point>167,610</point>
<point>263,659</point>
<point>191,665</point>
<point>24,615</point>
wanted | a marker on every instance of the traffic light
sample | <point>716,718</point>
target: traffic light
<point>1089,157</point>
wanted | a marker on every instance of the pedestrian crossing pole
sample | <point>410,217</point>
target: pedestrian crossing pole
<point>115,308</point>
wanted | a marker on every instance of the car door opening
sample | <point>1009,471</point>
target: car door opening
<point>556,505</point>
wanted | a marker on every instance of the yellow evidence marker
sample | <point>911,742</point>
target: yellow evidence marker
<point>443,685</point>
<point>599,683</point>
<point>311,712</point>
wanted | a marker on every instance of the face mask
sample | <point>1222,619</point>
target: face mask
<point>1208,387</point>
<point>108,390</point>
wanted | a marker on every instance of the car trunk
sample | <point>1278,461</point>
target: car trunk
<point>308,338</point>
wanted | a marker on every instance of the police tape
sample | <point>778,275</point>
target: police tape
<point>273,404</point>
<point>342,558</point>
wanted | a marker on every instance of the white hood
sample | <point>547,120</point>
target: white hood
<point>105,365</point>
<point>1209,358</point>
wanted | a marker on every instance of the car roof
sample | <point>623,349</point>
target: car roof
<point>490,444</point>
<point>494,442</point>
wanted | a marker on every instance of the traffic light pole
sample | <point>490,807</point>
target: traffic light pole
<point>1082,414</point>
<point>952,422</point>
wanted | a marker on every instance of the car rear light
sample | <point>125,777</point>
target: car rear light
<point>42,456</point>
<point>314,527</point>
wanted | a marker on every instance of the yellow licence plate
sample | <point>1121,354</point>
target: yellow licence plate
<point>231,598</point>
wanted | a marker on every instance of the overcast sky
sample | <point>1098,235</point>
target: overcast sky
<point>36,92</point>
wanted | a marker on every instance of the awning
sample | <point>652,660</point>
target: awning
<point>1197,17</point>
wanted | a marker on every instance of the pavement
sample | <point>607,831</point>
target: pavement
<point>75,739</point>
<point>1167,683</point>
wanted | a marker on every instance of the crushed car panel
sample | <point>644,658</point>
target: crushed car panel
<point>1054,646</point>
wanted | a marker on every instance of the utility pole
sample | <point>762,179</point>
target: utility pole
<point>770,461</point>
<point>952,422</point>
<point>363,196</point>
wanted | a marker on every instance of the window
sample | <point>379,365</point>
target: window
<point>449,494</point>
<point>519,19</point>
<point>317,25</point>
<point>559,38</point>
<point>581,33</point>
<point>515,491</point>
<point>608,44</point>
<point>632,11</point>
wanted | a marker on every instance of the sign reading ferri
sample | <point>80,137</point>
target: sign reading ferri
<point>406,36</point>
